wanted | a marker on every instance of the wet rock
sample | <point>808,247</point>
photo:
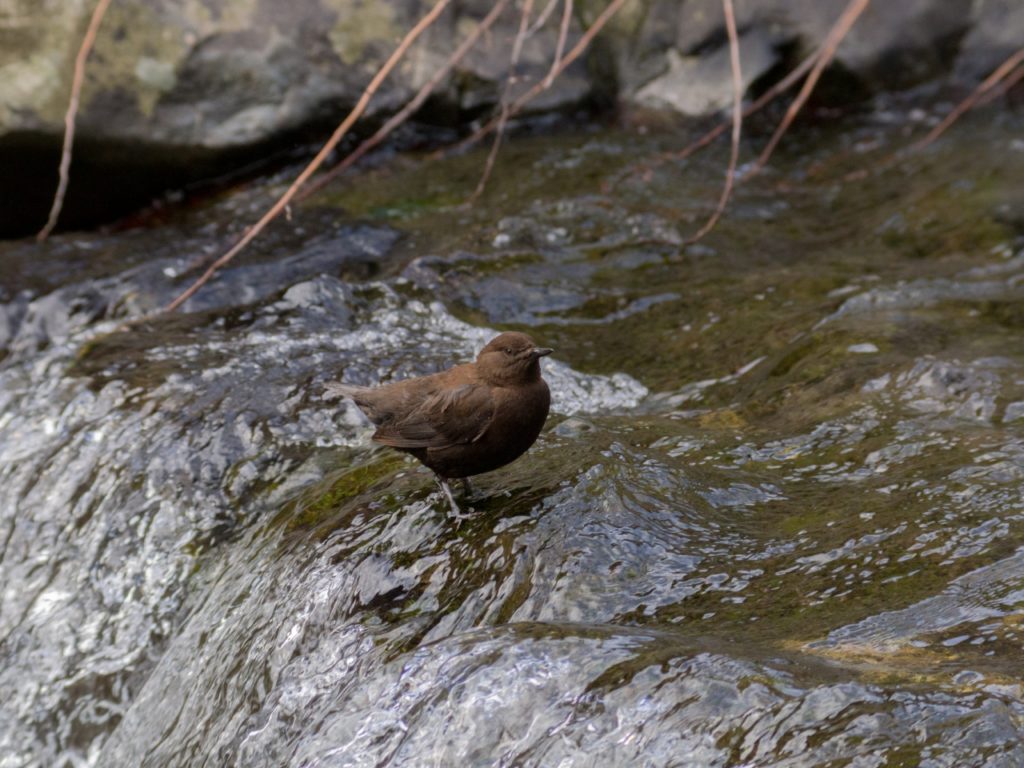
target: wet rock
<point>544,277</point>
<point>674,44</point>
<point>228,73</point>
<point>702,85</point>
<point>967,604</point>
<point>481,75</point>
<point>203,561</point>
<point>992,38</point>
<point>918,294</point>
<point>178,93</point>
<point>963,391</point>
<point>157,443</point>
<point>11,314</point>
<point>205,75</point>
<point>53,317</point>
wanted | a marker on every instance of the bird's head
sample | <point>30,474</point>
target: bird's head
<point>509,359</point>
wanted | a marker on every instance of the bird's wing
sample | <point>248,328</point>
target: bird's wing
<point>448,417</point>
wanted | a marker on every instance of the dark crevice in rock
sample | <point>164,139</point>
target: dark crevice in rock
<point>120,184</point>
<point>111,180</point>
<point>905,67</point>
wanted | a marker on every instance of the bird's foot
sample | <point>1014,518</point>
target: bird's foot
<point>455,511</point>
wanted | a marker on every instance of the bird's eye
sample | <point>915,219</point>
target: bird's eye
<point>508,350</point>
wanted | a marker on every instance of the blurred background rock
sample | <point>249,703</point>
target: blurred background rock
<point>181,92</point>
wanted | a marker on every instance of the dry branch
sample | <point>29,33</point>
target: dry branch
<point>1004,77</point>
<point>737,121</point>
<point>543,17</point>
<point>765,98</point>
<point>828,50</point>
<point>414,104</point>
<point>517,106</point>
<point>563,35</point>
<point>317,161</point>
<point>1011,80</point>
<point>517,49</point>
<point>1001,72</point>
<point>69,117</point>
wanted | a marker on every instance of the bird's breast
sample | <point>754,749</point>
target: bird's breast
<point>519,415</point>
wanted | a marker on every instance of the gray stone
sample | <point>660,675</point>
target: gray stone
<point>203,74</point>
<point>219,74</point>
<point>178,91</point>
<point>892,45</point>
<point>997,30</point>
<point>701,85</point>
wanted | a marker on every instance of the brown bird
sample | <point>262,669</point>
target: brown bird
<point>467,420</point>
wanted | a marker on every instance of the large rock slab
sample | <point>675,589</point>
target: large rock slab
<point>177,92</point>
<point>221,74</point>
<point>996,32</point>
<point>227,73</point>
<point>675,54</point>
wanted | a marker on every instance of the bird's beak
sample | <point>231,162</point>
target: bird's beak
<point>541,352</point>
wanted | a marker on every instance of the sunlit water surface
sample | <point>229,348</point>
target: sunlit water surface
<point>776,518</point>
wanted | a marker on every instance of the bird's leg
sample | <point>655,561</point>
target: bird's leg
<point>456,512</point>
<point>467,487</point>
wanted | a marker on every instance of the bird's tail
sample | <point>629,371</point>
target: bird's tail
<point>334,390</point>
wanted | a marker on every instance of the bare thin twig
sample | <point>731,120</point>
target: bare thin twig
<point>499,133</point>
<point>827,51</point>
<point>681,154</point>
<point>543,17</point>
<point>737,121</point>
<point>992,87</point>
<point>563,35</point>
<point>317,161</point>
<point>69,117</point>
<point>987,84</point>
<point>517,106</point>
<point>414,104</point>
<point>1011,80</point>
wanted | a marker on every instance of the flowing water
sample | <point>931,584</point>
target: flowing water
<point>776,517</point>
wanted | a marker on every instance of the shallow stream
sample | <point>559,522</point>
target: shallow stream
<point>776,517</point>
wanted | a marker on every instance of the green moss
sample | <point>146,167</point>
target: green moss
<point>1008,314</point>
<point>139,63</point>
<point>360,24</point>
<point>324,501</point>
<point>36,60</point>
